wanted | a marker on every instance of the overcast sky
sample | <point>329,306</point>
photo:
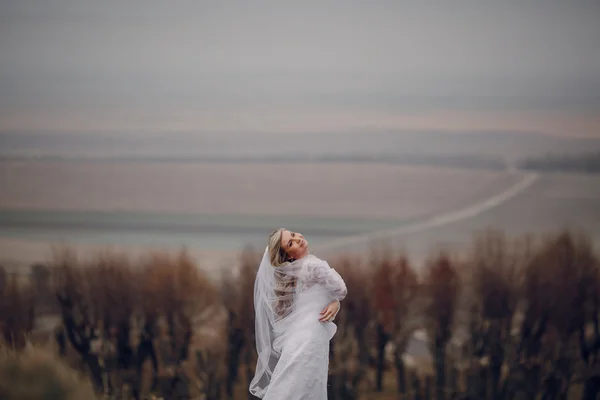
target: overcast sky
<point>255,65</point>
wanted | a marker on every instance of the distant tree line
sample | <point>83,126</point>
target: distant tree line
<point>588,163</point>
<point>436,160</point>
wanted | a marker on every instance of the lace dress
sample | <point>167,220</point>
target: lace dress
<point>303,342</point>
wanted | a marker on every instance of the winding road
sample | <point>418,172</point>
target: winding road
<point>470,211</point>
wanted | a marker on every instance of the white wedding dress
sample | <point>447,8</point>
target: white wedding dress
<point>301,340</point>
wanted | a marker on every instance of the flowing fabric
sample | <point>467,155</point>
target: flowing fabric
<point>292,344</point>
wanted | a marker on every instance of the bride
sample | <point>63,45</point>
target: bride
<point>296,298</point>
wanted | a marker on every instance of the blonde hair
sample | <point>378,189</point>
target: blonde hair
<point>285,284</point>
<point>277,254</point>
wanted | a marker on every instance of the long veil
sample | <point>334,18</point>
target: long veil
<point>274,295</point>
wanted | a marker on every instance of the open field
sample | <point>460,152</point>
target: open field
<point>373,191</point>
<point>218,208</point>
<point>552,202</point>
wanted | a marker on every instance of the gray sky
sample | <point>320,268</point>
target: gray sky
<point>241,65</point>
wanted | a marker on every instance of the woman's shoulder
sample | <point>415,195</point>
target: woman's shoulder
<point>312,261</point>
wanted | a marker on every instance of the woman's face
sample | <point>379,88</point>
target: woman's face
<point>294,244</point>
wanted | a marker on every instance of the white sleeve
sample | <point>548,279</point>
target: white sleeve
<point>320,272</point>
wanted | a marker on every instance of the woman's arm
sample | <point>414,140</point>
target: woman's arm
<point>328,277</point>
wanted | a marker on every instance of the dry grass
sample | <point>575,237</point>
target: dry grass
<point>37,373</point>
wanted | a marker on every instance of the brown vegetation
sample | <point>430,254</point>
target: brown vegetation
<point>512,319</point>
<point>16,309</point>
<point>37,373</point>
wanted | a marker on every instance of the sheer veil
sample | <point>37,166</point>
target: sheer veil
<point>274,306</point>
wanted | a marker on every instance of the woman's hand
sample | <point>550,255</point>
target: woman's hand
<point>330,311</point>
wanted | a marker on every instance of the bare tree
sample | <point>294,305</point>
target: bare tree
<point>407,296</point>
<point>384,305</point>
<point>442,286</point>
<point>40,280</point>
<point>210,368</point>
<point>176,291</point>
<point>109,300</point>
<point>350,350</point>
<point>77,318</point>
<point>571,269</point>
<point>493,280</point>
<point>249,264</point>
<point>589,332</point>
<point>556,291</point>
<point>17,309</point>
<point>237,294</point>
<point>395,289</point>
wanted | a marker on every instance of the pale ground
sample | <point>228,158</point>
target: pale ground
<point>329,190</point>
<point>367,191</point>
<point>17,255</point>
<point>393,193</point>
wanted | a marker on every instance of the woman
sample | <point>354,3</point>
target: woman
<point>296,297</point>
